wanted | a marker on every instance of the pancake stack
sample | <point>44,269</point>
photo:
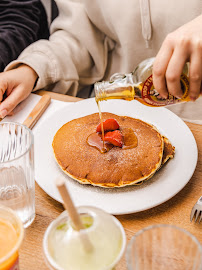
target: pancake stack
<point>118,167</point>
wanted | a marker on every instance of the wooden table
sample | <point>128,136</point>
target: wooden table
<point>175,211</point>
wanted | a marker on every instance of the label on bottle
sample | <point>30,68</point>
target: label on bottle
<point>151,97</point>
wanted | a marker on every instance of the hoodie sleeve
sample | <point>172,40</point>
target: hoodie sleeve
<point>75,54</point>
<point>21,23</point>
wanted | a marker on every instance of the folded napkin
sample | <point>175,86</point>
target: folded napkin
<point>24,108</point>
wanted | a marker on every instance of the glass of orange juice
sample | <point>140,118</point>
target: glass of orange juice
<point>11,236</point>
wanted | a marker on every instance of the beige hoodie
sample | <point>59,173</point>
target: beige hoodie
<point>92,39</point>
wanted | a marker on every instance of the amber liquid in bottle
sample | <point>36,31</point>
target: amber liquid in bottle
<point>139,85</point>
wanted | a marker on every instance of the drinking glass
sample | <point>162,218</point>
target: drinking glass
<point>17,187</point>
<point>164,247</point>
<point>63,248</point>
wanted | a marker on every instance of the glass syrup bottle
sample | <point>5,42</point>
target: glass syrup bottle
<point>139,85</point>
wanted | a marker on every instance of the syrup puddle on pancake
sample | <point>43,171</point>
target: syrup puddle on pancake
<point>130,141</point>
<point>95,140</point>
<point>99,141</point>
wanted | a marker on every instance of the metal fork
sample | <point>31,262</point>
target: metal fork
<point>197,210</point>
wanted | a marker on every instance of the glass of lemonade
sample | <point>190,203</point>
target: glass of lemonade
<point>17,187</point>
<point>64,249</point>
<point>11,236</point>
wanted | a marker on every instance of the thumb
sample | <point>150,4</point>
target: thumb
<point>3,88</point>
<point>9,104</point>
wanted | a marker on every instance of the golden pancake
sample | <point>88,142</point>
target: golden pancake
<point>116,168</point>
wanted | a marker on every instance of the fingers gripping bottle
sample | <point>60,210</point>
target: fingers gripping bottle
<point>139,85</point>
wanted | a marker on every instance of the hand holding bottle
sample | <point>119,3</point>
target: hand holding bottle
<point>181,46</point>
<point>17,84</point>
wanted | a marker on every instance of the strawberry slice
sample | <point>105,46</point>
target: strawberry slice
<point>109,124</point>
<point>114,137</point>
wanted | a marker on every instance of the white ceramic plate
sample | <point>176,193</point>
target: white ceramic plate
<point>164,185</point>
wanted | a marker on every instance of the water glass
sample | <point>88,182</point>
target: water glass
<point>164,247</point>
<point>17,186</point>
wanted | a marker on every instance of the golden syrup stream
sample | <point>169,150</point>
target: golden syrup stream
<point>102,128</point>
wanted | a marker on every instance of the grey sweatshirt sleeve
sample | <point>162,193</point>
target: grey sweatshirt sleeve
<point>75,55</point>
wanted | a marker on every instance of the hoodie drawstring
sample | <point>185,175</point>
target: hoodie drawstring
<point>146,21</point>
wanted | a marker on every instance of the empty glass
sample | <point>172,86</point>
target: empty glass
<point>17,187</point>
<point>164,247</point>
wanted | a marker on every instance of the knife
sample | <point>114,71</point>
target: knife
<point>37,112</point>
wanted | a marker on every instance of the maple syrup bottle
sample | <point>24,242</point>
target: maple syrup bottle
<point>139,85</point>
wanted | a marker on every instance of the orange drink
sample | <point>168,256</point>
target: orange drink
<point>11,235</point>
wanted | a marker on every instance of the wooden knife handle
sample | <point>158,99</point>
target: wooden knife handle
<point>37,112</point>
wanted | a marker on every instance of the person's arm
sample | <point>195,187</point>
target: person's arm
<point>21,23</point>
<point>76,54</point>
<point>181,46</point>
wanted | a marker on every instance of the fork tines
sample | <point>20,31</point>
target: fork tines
<point>197,211</point>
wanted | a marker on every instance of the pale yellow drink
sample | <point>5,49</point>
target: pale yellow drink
<point>11,235</point>
<point>64,249</point>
